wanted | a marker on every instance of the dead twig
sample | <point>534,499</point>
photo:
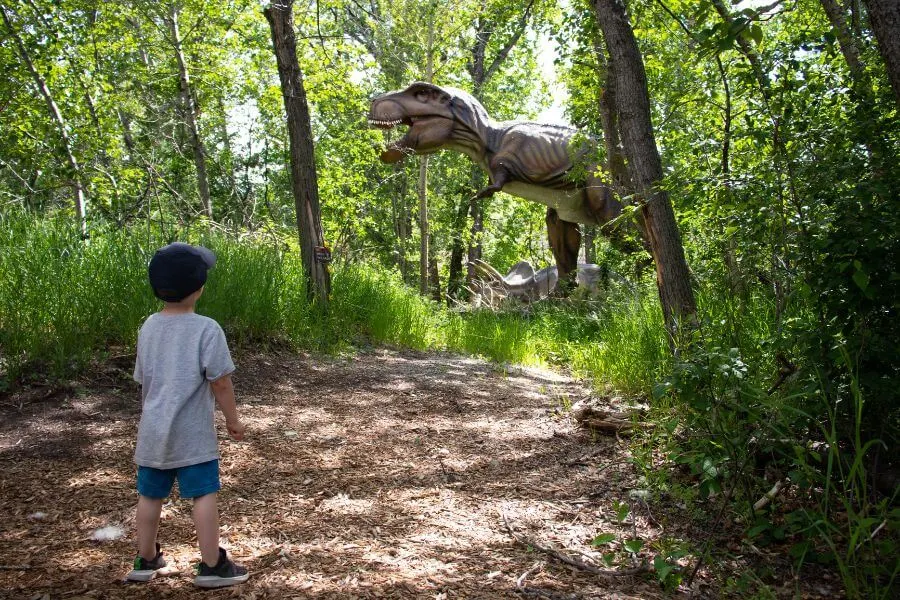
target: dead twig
<point>14,567</point>
<point>527,573</point>
<point>770,495</point>
<point>574,562</point>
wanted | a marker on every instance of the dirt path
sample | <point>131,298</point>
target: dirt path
<point>382,475</point>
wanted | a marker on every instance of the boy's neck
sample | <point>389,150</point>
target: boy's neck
<point>178,308</point>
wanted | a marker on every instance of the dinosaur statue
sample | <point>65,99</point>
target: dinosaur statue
<point>549,164</point>
<point>524,283</point>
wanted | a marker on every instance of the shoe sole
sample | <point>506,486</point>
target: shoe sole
<point>140,576</point>
<point>214,581</point>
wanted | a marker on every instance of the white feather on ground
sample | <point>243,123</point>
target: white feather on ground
<point>106,534</point>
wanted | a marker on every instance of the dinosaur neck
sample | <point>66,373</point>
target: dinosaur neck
<point>478,142</point>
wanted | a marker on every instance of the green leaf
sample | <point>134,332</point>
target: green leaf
<point>861,279</point>
<point>757,529</point>
<point>634,545</point>
<point>756,34</point>
<point>602,539</point>
<point>661,389</point>
<point>662,568</point>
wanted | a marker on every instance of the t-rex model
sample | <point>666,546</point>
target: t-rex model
<point>549,164</point>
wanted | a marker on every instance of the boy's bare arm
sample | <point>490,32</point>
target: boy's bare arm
<point>223,390</point>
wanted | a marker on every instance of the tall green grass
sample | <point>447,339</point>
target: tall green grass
<point>65,301</point>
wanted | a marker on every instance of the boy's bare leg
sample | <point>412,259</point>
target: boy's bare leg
<point>147,523</point>
<point>206,521</point>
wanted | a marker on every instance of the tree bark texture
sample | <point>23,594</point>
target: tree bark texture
<point>838,19</point>
<point>190,113</point>
<point>422,188</point>
<point>884,16</point>
<point>455,278</point>
<point>59,121</point>
<point>645,166</point>
<point>304,183</point>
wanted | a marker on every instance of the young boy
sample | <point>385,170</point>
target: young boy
<point>184,368</point>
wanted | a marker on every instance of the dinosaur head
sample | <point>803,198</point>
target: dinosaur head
<point>434,115</point>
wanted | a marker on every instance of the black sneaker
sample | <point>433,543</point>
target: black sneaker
<point>145,570</point>
<point>225,573</point>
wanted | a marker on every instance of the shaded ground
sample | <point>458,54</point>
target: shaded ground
<point>382,475</point>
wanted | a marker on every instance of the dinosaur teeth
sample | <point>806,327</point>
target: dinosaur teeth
<point>384,123</point>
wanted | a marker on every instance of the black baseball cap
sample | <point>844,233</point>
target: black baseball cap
<point>178,270</point>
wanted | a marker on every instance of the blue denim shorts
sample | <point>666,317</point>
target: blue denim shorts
<point>193,481</point>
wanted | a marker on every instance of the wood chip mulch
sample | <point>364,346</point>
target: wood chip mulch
<point>385,474</point>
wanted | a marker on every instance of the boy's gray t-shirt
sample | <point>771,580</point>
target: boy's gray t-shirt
<point>177,356</point>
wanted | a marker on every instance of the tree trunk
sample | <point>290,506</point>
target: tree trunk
<point>303,164</point>
<point>838,20</point>
<point>190,113</point>
<point>481,69</point>
<point>422,186</point>
<point>434,278</point>
<point>609,121</point>
<point>476,210</point>
<point>455,279</point>
<point>57,117</point>
<point>884,16</point>
<point>633,104</point>
<point>422,189</point>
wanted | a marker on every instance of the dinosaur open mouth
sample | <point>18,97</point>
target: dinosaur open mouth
<point>397,150</point>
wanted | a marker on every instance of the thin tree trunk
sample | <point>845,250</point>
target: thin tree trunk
<point>849,49</point>
<point>609,121</point>
<point>56,115</point>
<point>455,279</point>
<point>884,16</point>
<point>422,187</point>
<point>401,216</point>
<point>434,277</point>
<point>190,113</point>
<point>227,160</point>
<point>476,210</point>
<point>672,274</point>
<point>481,70</point>
<point>304,183</point>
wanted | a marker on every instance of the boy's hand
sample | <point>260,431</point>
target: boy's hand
<point>236,430</point>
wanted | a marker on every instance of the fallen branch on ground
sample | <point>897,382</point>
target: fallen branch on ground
<point>770,495</point>
<point>14,567</point>
<point>574,562</point>
<point>605,420</point>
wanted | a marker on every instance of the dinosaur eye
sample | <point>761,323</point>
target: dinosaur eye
<point>422,96</point>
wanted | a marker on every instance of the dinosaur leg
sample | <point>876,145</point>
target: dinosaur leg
<point>499,178</point>
<point>565,241</point>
